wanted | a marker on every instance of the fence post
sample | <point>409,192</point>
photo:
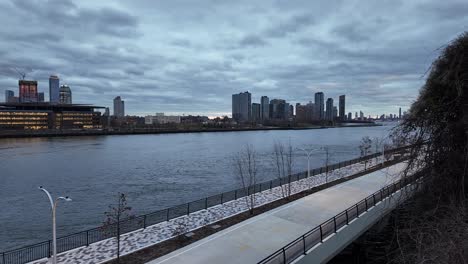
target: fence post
<point>373,197</point>
<point>48,248</point>
<point>334,222</point>
<point>167,214</point>
<point>366,204</point>
<point>303,240</point>
<point>222,196</point>
<point>188,208</point>
<point>271,184</point>
<point>235,195</point>
<point>284,256</point>
<point>357,211</point>
<point>87,237</point>
<point>206,203</point>
<point>3,258</point>
<point>321,234</point>
<point>144,221</point>
<point>347,219</point>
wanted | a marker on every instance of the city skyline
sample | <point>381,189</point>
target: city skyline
<point>158,62</point>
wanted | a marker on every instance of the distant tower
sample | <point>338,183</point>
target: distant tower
<point>65,95</point>
<point>350,116</point>
<point>329,109</point>
<point>9,95</point>
<point>54,89</point>
<point>265,107</point>
<point>342,107</point>
<point>242,106</point>
<point>119,107</point>
<point>319,106</point>
<point>40,97</point>
<point>399,114</point>
<point>27,91</point>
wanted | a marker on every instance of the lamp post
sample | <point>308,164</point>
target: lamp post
<point>308,153</point>
<point>53,205</point>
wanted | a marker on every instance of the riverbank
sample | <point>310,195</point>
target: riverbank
<point>136,131</point>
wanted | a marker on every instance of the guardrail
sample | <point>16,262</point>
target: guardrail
<point>87,237</point>
<point>301,245</point>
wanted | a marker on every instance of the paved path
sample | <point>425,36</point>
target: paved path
<point>258,237</point>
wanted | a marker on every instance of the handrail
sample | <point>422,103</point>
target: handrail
<point>283,253</point>
<point>85,238</point>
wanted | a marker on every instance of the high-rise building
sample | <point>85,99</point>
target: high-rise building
<point>335,113</point>
<point>27,91</point>
<point>399,114</point>
<point>361,115</point>
<point>242,107</point>
<point>342,107</point>
<point>291,110</point>
<point>119,107</point>
<point>9,94</point>
<point>305,113</point>
<point>256,115</point>
<point>319,106</point>
<point>329,113</point>
<point>265,107</point>
<point>350,116</point>
<point>279,109</point>
<point>40,97</point>
<point>54,89</point>
<point>65,95</point>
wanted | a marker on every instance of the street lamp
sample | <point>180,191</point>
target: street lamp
<point>53,205</point>
<point>308,153</point>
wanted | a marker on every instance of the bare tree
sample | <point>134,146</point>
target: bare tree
<point>114,217</point>
<point>283,162</point>
<point>246,167</point>
<point>364,147</point>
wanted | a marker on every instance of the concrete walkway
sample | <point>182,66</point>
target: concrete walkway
<point>258,237</point>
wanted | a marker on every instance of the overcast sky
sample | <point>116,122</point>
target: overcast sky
<point>189,56</point>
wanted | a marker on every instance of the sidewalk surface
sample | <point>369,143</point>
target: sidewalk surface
<point>260,236</point>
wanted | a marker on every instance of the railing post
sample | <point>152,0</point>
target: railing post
<point>144,221</point>
<point>366,204</point>
<point>271,185</point>
<point>222,196</point>
<point>235,195</point>
<point>373,197</point>
<point>303,240</point>
<point>87,237</point>
<point>347,218</point>
<point>206,203</point>
<point>357,211</point>
<point>49,248</point>
<point>284,256</point>
<point>3,258</point>
<point>167,214</point>
<point>334,222</point>
<point>321,234</point>
<point>188,208</point>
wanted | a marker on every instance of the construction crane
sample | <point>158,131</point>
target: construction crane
<point>22,73</point>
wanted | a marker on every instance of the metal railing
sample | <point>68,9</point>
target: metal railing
<point>84,238</point>
<point>301,245</point>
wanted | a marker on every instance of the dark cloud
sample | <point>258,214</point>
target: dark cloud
<point>189,57</point>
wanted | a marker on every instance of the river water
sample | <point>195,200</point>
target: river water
<point>155,171</point>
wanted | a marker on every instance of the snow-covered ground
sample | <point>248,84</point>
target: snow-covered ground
<point>106,249</point>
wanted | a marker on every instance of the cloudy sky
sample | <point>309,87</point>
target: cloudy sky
<point>189,56</point>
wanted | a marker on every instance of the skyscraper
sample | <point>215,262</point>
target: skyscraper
<point>54,89</point>
<point>256,116</point>
<point>119,107</point>
<point>264,107</point>
<point>40,97</point>
<point>27,91</point>
<point>8,95</point>
<point>319,105</point>
<point>279,109</point>
<point>342,107</point>
<point>399,114</point>
<point>350,116</point>
<point>242,107</point>
<point>329,109</point>
<point>65,95</point>
<point>335,113</point>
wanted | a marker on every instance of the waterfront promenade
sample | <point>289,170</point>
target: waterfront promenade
<point>258,237</point>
